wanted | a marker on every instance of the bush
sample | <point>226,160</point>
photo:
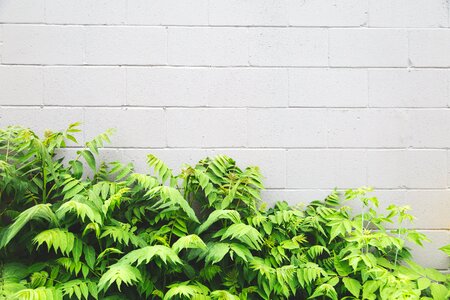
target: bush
<point>77,228</point>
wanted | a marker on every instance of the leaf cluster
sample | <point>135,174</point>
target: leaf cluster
<point>72,227</point>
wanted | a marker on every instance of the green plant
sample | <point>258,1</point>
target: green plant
<point>78,228</point>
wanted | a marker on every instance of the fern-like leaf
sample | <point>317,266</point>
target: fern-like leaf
<point>47,293</point>
<point>145,182</point>
<point>99,140</point>
<point>245,233</point>
<point>216,252</point>
<point>56,238</point>
<point>73,267</point>
<point>172,197</point>
<point>216,215</point>
<point>119,273</point>
<point>186,290</point>
<point>123,234</point>
<point>12,275</point>
<point>82,289</point>
<point>163,171</point>
<point>147,254</point>
<point>37,212</point>
<point>191,241</point>
<point>317,250</point>
<point>223,295</point>
<point>81,209</point>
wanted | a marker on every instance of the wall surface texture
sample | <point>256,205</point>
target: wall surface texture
<point>318,93</point>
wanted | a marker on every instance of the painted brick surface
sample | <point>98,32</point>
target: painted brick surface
<point>126,45</point>
<point>167,12</point>
<point>318,93</point>
<point>80,86</point>
<point>368,47</point>
<point>206,127</point>
<point>429,47</point>
<point>22,11</point>
<point>328,87</point>
<point>288,46</point>
<point>21,85</point>
<point>408,13</point>
<point>327,13</point>
<point>204,46</point>
<point>40,44</point>
<point>249,12</point>
<point>408,88</point>
<point>85,11</point>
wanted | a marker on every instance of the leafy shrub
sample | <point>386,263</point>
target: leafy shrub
<point>77,228</point>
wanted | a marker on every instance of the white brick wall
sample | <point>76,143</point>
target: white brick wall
<point>318,93</point>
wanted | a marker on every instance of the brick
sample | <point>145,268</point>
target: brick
<point>126,45</point>
<point>408,13</point>
<point>327,13</point>
<point>21,85</point>
<point>22,11</point>
<point>299,198</point>
<point>41,119</point>
<point>430,207</point>
<point>429,128</point>
<point>85,11</point>
<point>407,168</point>
<point>248,87</point>
<point>84,86</point>
<point>430,256</point>
<point>168,12</point>
<point>368,47</point>
<point>173,158</point>
<point>1,41</point>
<point>429,47</point>
<point>201,46</point>
<point>448,167</point>
<point>288,47</point>
<point>406,88</point>
<point>326,168</point>
<point>167,86</point>
<point>427,206</point>
<point>272,163</point>
<point>280,127</point>
<point>41,44</point>
<point>249,12</point>
<point>217,87</point>
<point>206,127</point>
<point>328,88</point>
<point>134,127</point>
<point>363,128</point>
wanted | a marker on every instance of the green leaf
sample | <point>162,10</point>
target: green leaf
<point>216,215</point>
<point>56,238</point>
<point>77,168</point>
<point>216,252</point>
<point>245,233</point>
<point>184,290</point>
<point>352,285</point>
<point>370,287</point>
<point>149,253</point>
<point>37,212</point>
<point>89,157</point>
<point>439,291</point>
<point>119,273</point>
<point>191,241</point>
<point>171,196</point>
<point>446,249</point>
<point>89,256</point>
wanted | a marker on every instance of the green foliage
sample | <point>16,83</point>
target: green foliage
<point>79,228</point>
